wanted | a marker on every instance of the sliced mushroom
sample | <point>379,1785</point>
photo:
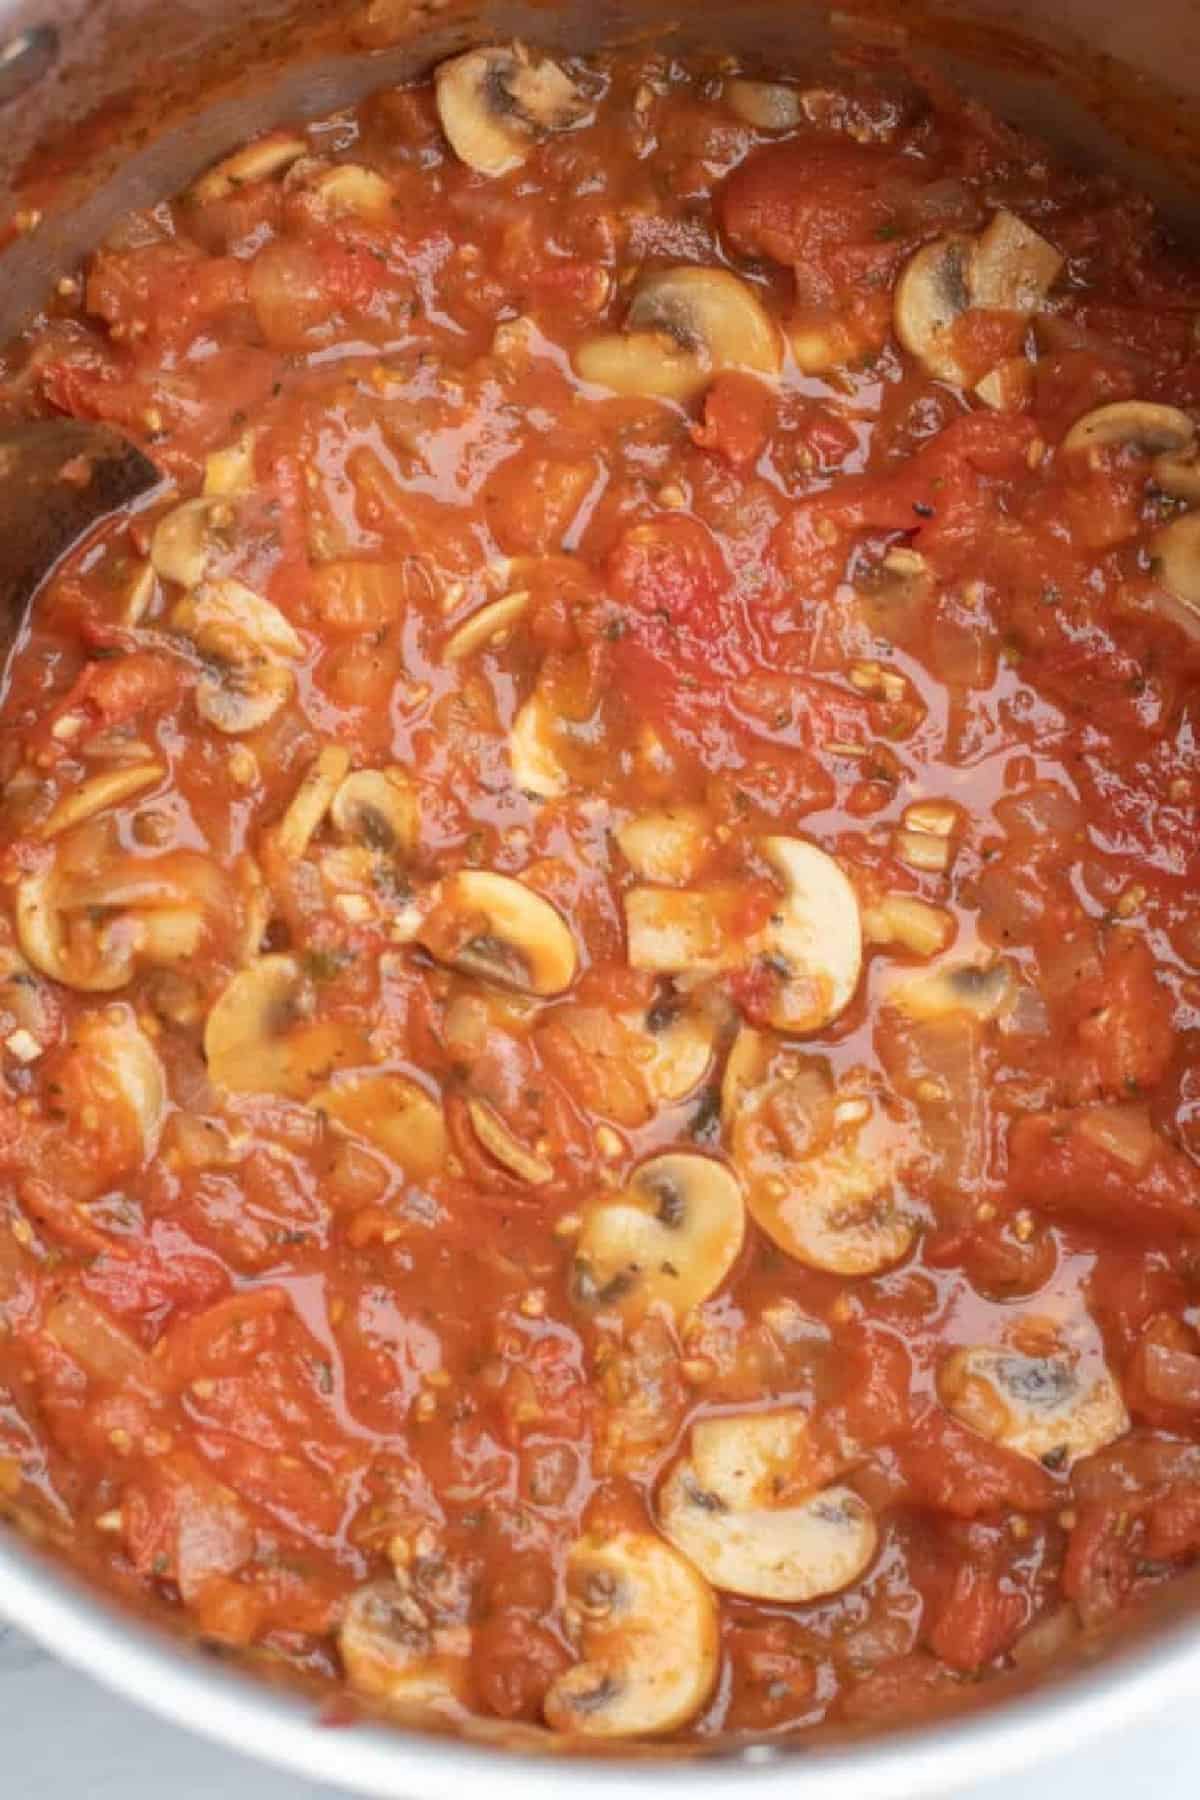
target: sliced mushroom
<point>1179,475</point>
<point>1176,558</point>
<point>1013,268</point>
<point>932,294</point>
<point>767,105</point>
<point>495,927</point>
<point>392,1651</point>
<point>986,991</point>
<point>494,104</point>
<point>1039,1406</point>
<point>675,1052</point>
<point>91,930</point>
<point>736,1506</point>
<point>671,1237</point>
<point>228,619</point>
<point>648,1639</point>
<point>311,801</point>
<point>393,1113</point>
<point>98,793</point>
<point>670,846</point>
<point>814,941</point>
<point>1008,267</point>
<point>507,1149</point>
<point>124,1070</point>
<point>240,697</point>
<point>536,769</point>
<point>682,327</point>
<point>492,623</point>
<point>1141,424</point>
<point>820,1164</point>
<point>261,1037</point>
<point>352,188</point>
<point>256,162</point>
<point>378,808</point>
<point>188,538</point>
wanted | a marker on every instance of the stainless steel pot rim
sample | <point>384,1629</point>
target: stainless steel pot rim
<point>393,1764</point>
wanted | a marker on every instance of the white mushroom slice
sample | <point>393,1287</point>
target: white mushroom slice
<point>98,793</point>
<point>187,538</point>
<point>230,471</point>
<point>815,940</point>
<point>351,188</point>
<point>1179,475</point>
<point>228,619</point>
<point>648,1638</point>
<point>378,808</point>
<point>241,697</point>
<point>985,991</point>
<point>260,1037</point>
<point>682,327</point>
<point>932,294</point>
<point>536,769</point>
<point>1013,268</point>
<point>509,934</point>
<point>393,1113</point>
<point>1175,551</point>
<point>670,846</point>
<point>508,1150</point>
<point>491,624</point>
<point>1142,424</point>
<point>256,162</point>
<point>746,1068</point>
<point>676,1054</point>
<point>494,103</point>
<point>820,1165</point>
<point>671,1237</point>
<point>311,801</point>
<point>1008,267</point>
<point>91,932</point>
<point>125,1070</point>
<point>767,105</point>
<point>737,1508</point>
<point>1045,1407</point>
<point>392,1651</point>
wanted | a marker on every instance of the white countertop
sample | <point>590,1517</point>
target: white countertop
<point>64,1738</point>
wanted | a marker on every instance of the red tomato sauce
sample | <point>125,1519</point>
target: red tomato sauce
<point>599,967</point>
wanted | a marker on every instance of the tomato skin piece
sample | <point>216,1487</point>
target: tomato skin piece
<point>671,576</point>
<point>516,1661</point>
<point>953,1470</point>
<point>738,412</point>
<point>1055,1168</point>
<point>978,1620</point>
<point>1098,1570</point>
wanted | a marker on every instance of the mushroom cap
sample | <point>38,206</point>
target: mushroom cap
<point>393,1113</point>
<point>932,294</point>
<point>1036,1405</point>
<point>524,941</point>
<point>820,1168</point>
<point>228,619</point>
<point>267,156</point>
<point>1145,424</point>
<point>378,808</point>
<point>983,990</point>
<point>535,768</point>
<point>185,539</point>
<point>817,934</point>
<point>1176,553</point>
<point>494,102</point>
<point>485,625</point>
<point>682,326</point>
<point>391,1652</point>
<point>257,1039</point>
<point>670,1237</point>
<point>736,1507</point>
<point>649,1639</point>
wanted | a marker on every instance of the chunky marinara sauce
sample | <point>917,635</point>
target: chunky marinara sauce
<point>600,963</point>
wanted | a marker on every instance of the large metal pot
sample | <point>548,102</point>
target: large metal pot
<point>106,93</point>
